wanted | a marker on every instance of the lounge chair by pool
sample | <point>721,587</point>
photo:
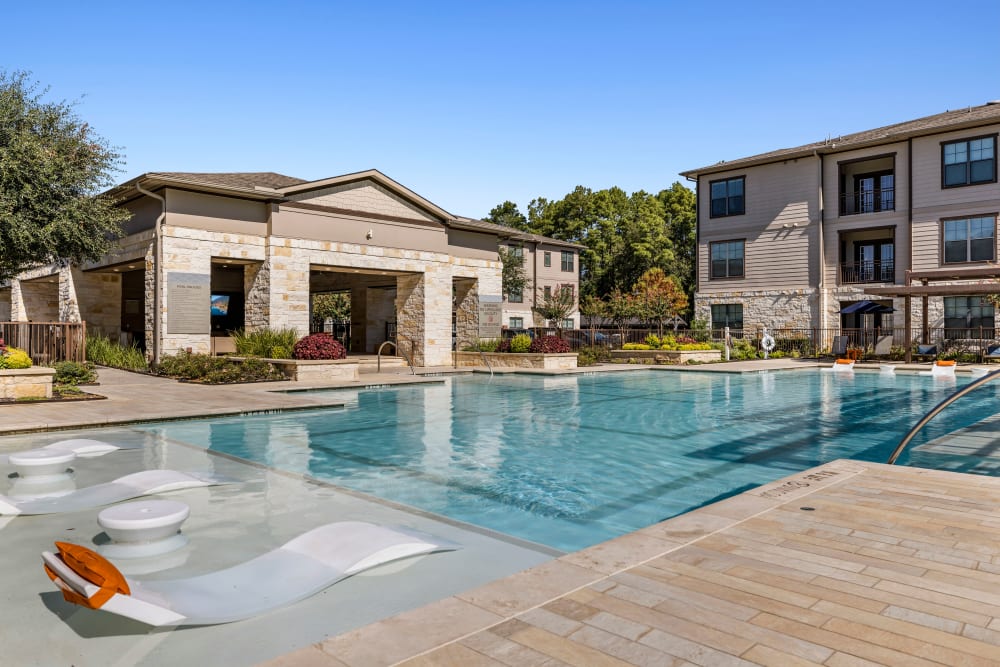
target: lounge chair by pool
<point>82,447</point>
<point>843,366</point>
<point>941,369</point>
<point>298,569</point>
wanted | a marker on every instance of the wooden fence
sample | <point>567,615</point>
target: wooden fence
<point>47,342</point>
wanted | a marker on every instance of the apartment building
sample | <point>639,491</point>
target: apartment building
<point>549,265</point>
<point>836,233</point>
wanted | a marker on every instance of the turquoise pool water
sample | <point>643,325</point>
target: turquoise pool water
<point>574,460</point>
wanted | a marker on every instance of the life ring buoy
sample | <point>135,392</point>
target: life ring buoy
<point>767,343</point>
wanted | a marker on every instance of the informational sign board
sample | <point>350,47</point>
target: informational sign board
<point>188,303</point>
<point>490,317</point>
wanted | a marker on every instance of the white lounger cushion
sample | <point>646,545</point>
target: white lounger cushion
<point>137,484</point>
<point>293,572</point>
<point>82,447</point>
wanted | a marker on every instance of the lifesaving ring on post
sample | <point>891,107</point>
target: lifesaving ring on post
<point>767,343</point>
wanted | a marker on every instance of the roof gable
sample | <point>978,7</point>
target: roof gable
<point>370,192</point>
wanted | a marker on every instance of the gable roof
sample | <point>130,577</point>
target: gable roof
<point>936,124</point>
<point>237,179</point>
<point>371,175</point>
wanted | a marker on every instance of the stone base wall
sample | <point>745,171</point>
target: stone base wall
<point>318,372</point>
<point>26,383</point>
<point>561,361</point>
<point>786,309</point>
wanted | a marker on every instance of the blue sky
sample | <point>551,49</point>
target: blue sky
<point>472,103</point>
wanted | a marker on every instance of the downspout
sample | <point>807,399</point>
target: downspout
<point>157,267</point>
<point>821,286</point>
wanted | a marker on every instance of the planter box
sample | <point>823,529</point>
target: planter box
<point>26,383</point>
<point>321,370</point>
<point>563,361</point>
<point>664,356</point>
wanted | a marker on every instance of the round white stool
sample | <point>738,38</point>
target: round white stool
<point>143,528</point>
<point>41,463</point>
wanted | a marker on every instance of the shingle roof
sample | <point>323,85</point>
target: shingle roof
<point>239,179</point>
<point>510,232</point>
<point>942,122</point>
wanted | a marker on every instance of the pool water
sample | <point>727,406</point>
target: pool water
<point>570,461</point>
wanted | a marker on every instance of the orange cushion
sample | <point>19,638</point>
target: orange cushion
<point>95,569</point>
<point>946,363</point>
<point>845,361</point>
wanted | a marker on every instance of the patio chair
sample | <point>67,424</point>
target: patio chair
<point>137,484</point>
<point>299,569</point>
<point>883,346</point>
<point>840,344</point>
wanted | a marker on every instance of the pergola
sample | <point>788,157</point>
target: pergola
<point>924,289</point>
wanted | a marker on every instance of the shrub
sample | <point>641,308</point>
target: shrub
<point>743,349</point>
<point>549,345</point>
<point>72,373</point>
<point>589,356</point>
<point>15,358</point>
<point>520,343</point>
<point>319,346</point>
<point>653,341</point>
<point>635,346</point>
<point>106,352</point>
<point>485,345</point>
<point>504,346</point>
<point>266,342</point>
<point>216,370</point>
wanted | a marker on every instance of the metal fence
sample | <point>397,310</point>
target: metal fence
<point>982,343</point>
<point>47,342</point>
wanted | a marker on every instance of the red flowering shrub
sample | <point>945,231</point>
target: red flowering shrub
<point>319,346</point>
<point>504,346</point>
<point>549,345</point>
<point>685,340</point>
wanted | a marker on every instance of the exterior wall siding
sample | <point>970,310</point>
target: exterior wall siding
<point>365,195</point>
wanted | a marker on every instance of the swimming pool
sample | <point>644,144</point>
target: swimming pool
<point>570,461</point>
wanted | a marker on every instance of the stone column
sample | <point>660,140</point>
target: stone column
<point>410,307</point>
<point>289,289</point>
<point>69,306</point>
<point>17,311</point>
<point>257,288</point>
<point>182,255</point>
<point>150,299</point>
<point>466,311</point>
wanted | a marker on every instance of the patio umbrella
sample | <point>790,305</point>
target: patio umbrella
<point>864,307</point>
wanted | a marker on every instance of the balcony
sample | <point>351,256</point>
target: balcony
<point>875,271</point>
<point>868,201</point>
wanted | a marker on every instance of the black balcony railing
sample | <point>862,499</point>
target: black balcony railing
<point>868,201</point>
<point>876,271</point>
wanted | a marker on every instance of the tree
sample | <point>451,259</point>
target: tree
<point>52,167</point>
<point>514,279</point>
<point>508,215</point>
<point>593,309</point>
<point>679,212</point>
<point>658,297</point>
<point>621,308</point>
<point>555,306</point>
<point>335,305</point>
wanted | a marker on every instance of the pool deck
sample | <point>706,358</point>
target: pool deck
<point>890,565</point>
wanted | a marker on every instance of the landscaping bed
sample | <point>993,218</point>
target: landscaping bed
<point>665,356</point>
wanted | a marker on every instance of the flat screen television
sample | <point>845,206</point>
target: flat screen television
<point>220,305</point>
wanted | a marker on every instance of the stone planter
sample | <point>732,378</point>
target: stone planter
<point>664,356</point>
<point>320,370</point>
<point>26,383</point>
<point>562,361</point>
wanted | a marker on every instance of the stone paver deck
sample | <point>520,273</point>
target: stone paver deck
<point>846,564</point>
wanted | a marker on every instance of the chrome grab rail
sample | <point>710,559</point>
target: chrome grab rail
<point>937,409</point>
<point>482,355</point>
<point>399,351</point>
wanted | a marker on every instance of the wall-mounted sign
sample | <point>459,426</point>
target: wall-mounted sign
<point>490,316</point>
<point>188,303</point>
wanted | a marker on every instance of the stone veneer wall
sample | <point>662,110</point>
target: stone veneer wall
<point>97,298</point>
<point>786,309</point>
<point>466,311</point>
<point>256,288</point>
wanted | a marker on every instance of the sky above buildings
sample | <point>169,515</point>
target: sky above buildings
<point>472,103</point>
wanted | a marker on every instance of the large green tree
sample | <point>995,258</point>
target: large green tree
<point>679,213</point>
<point>52,168</point>
<point>508,215</point>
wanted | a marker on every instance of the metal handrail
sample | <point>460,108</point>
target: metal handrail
<point>482,355</point>
<point>399,351</point>
<point>937,409</point>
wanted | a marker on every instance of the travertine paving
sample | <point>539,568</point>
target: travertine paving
<point>843,565</point>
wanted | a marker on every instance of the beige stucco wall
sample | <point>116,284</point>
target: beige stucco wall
<point>341,228</point>
<point>780,227</point>
<point>216,213</point>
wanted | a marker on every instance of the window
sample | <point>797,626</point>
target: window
<point>516,296</point>
<point>727,315</point>
<point>727,259</point>
<point>969,240</point>
<point>968,162</point>
<point>964,315</point>
<point>566,291</point>
<point>727,197</point>
<point>567,323</point>
<point>517,251</point>
<point>547,291</point>
<point>567,261</point>
<point>548,259</point>
<point>517,323</point>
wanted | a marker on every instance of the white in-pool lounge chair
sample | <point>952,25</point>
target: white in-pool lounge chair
<point>82,447</point>
<point>137,484</point>
<point>941,369</point>
<point>841,366</point>
<point>300,568</point>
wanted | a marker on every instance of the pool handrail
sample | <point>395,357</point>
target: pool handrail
<point>399,351</point>
<point>481,354</point>
<point>975,384</point>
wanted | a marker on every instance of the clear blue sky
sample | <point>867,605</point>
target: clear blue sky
<point>471,103</point>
